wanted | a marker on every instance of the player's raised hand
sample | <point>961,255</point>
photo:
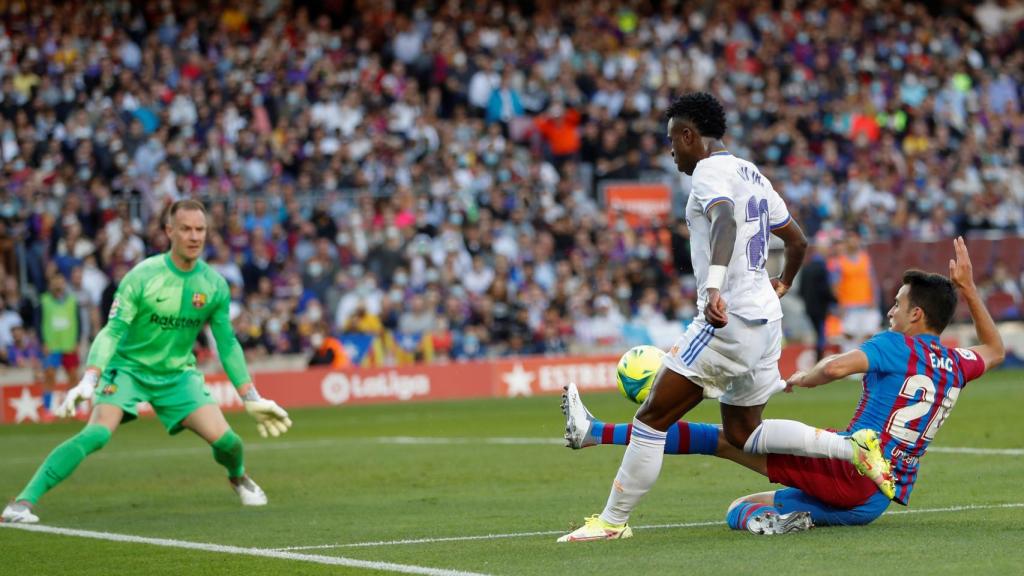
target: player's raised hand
<point>715,311</point>
<point>961,273</point>
<point>82,392</point>
<point>271,419</point>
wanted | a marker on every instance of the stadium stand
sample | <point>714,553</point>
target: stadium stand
<point>425,180</point>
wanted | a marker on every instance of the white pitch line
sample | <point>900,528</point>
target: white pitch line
<point>241,551</point>
<point>478,537</point>
<point>647,527</point>
<point>417,441</point>
<point>442,441</point>
<point>977,451</point>
<point>957,508</point>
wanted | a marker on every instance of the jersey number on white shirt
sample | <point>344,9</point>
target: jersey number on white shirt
<point>757,246</point>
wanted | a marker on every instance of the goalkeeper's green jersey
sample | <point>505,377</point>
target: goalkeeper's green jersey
<point>158,312</point>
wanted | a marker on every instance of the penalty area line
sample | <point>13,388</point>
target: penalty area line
<point>242,551</point>
<point>977,451</point>
<point>963,508</point>
<point>477,537</point>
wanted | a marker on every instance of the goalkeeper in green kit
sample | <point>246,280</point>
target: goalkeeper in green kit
<point>144,354</point>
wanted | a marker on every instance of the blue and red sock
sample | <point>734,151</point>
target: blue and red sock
<point>738,517</point>
<point>682,437</point>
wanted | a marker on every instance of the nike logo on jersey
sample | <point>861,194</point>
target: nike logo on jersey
<point>159,299</point>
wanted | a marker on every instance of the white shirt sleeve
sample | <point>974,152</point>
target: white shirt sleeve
<point>710,187</point>
<point>778,214</point>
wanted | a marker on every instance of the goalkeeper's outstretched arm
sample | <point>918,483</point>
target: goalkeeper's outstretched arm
<point>271,419</point>
<point>122,313</point>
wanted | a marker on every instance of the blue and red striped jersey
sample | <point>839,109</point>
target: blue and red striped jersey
<point>911,385</point>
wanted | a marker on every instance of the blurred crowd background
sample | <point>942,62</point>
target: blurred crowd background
<point>392,182</point>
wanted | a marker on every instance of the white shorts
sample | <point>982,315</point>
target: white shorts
<point>861,323</point>
<point>738,364</point>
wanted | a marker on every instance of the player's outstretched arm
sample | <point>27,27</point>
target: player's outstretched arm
<point>796,248</point>
<point>961,273</point>
<point>271,419</point>
<point>122,313</point>
<point>81,392</point>
<point>99,354</point>
<point>830,368</point>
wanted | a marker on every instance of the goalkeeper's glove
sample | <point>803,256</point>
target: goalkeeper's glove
<point>271,419</point>
<point>80,393</point>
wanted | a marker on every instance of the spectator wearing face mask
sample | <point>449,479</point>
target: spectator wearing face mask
<point>385,259</point>
<point>316,277</point>
<point>365,294</point>
<point>363,321</point>
<point>282,335</point>
<point>327,350</point>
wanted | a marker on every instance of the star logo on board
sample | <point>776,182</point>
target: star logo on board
<point>519,381</point>
<point>26,406</point>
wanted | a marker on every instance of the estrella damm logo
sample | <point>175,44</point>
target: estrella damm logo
<point>198,300</point>
<point>108,390</point>
<point>174,322</point>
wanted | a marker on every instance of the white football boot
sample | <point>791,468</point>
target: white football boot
<point>250,493</point>
<point>771,522</point>
<point>19,513</point>
<point>578,419</point>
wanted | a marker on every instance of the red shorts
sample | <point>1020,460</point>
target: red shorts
<point>834,482</point>
<point>70,361</point>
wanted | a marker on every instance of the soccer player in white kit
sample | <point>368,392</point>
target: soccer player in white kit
<point>732,348</point>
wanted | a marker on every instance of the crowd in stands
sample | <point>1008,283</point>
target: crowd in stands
<point>421,178</point>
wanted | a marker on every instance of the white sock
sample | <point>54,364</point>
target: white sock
<point>640,468</point>
<point>798,439</point>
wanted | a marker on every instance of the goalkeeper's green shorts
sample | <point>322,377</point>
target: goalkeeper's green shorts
<point>173,398</point>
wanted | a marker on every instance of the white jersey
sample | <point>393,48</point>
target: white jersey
<point>758,209</point>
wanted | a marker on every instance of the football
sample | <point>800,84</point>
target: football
<point>636,370</point>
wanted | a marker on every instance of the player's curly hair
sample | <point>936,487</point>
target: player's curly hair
<point>702,109</point>
<point>934,294</point>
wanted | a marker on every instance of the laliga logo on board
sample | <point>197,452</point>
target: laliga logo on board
<point>338,388</point>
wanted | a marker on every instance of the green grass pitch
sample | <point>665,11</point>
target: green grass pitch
<point>495,467</point>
